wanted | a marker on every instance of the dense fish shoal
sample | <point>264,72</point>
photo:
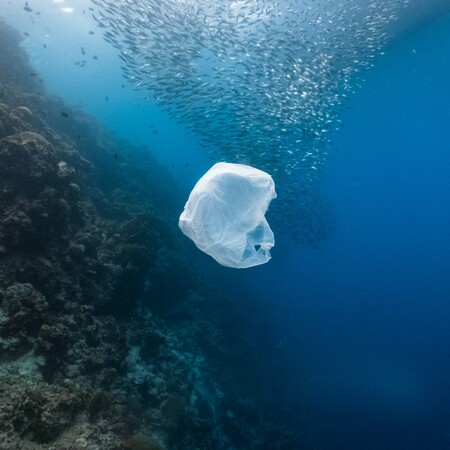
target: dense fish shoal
<point>262,82</point>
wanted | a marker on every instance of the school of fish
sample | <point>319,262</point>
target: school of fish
<point>263,82</point>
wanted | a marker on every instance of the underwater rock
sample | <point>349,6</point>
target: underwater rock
<point>53,338</point>
<point>24,310</point>
<point>24,112</point>
<point>99,345</point>
<point>174,408</point>
<point>4,120</point>
<point>151,345</point>
<point>77,250</point>
<point>37,412</point>
<point>64,171</point>
<point>141,442</point>
<point>27,156</point>
<point>99,401</point>
<point>73,192</point>
<point>17,229</point>
<point>100,337</point>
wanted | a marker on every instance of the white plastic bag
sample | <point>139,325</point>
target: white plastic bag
<point>224,215</point>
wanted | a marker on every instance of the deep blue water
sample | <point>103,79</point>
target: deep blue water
<point>364,322</point>
<point>361,326</point>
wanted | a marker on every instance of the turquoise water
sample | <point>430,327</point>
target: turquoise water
<point>359,327</point>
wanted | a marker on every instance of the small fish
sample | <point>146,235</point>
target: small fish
<point>64,114</point>
<point>33,74</point>
<point>107,98</point>
<point>44,45</point>
<point>83,52</point>
<point>261,90</point>
<point>91,32</point>
<point>95,57</point>
<point>26,34</point>
<point>27,7</point>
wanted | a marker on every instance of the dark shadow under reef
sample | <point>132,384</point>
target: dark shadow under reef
<point>110,338</point>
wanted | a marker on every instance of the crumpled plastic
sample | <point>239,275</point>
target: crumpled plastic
<point>225,215</point>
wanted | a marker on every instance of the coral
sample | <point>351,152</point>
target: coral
<point>106,327</point>
<point>37,411</point>
<point>151,345</point>
<point>174,408</point>
<point>23,312</point>
<point>141,442</point>
<point>99,401</point>
<point>28,156</point>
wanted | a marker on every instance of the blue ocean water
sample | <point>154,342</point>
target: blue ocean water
<point>363,323</point>
<point>360,331</point>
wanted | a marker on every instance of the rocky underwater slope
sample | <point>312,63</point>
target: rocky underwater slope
<point>109,337</point>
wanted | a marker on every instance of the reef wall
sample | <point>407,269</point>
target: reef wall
<point>110,338</point>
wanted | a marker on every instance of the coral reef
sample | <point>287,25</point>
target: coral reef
<point>109,337</point>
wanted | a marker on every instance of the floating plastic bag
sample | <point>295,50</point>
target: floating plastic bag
<point>224,215</point>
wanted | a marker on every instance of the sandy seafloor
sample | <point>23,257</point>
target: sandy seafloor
<point>115,333</point>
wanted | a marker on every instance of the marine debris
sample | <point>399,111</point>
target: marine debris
<point>262,82</point>
<point>110,338</point>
